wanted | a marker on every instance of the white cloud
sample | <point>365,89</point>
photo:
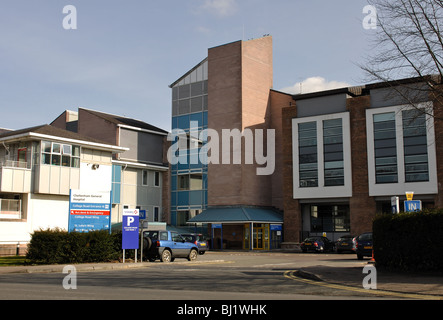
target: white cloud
<point>314,84</point>
<point>220,8</point>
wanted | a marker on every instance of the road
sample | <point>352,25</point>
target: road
<point>214,276</point>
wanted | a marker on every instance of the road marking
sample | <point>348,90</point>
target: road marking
<point>290,274</point>
<point>272,265</point>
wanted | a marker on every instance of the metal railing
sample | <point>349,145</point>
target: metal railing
<point>10,209</point>
<point>15,164</point>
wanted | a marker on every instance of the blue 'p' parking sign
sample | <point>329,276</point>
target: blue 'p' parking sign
<point>130,229</point>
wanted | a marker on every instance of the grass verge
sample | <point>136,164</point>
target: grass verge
<point>12,261</point>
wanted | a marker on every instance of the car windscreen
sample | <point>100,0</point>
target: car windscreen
<point>365,237</point>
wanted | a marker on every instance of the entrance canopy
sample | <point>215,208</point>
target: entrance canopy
<point>238,215</point>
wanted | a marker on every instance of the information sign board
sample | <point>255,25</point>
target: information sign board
<point>89,210</point>
<point>414,205</point>
<point>130,226</point>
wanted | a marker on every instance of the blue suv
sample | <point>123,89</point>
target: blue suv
<point>166,246</point>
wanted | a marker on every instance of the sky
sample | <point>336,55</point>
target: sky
<point>123,55</point>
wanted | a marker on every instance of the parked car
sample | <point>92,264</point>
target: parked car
<point>345,243</point>
<point>198,239</point>
<point>166,246</point>
<point>317,244</point>
<point>363,245</point>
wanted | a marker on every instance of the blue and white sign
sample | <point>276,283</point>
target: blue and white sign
<point>142,214</point>
<point>89,210</point>
<point>130,228</point>
<point>413,205</point>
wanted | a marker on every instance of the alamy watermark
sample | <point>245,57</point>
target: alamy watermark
<point>370,20</point>
<point>370,281</point>
<point>70,20</point>
<point>204,147</point>
<point>70,281</point>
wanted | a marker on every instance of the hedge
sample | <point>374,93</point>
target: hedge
<point>409,241</point>
<point>61,247</point>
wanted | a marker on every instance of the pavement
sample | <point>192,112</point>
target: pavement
<point>395,284</point>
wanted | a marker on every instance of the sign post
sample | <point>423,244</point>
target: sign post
<point>142,218</point>
<point>395,204</point>
<point>130,232</point>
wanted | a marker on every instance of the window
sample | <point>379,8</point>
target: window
<point>183,182</point>
<point>415,146</point>
<point>145,178</point>
<point>333,152</point>
<point>182,217</point>
<point>190,182</point>
<point>57,154</point>
<point>196,182</point>
<point>156,214</point>
<point>322,156</point>
<point>330,218</point>
<point>307,139</point>
<point>385,148</point>
<point>157,179</point>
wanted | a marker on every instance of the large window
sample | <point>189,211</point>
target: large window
<point>192,181</point>
<point>385,148</point>
<point>401,150</point>
<point>333,152</point>
<point>307,141</point>
<point>330,218</point>
<point>415,146</point>
<point>58,154</point>
<point>322,156</point>
<point>190,98</point>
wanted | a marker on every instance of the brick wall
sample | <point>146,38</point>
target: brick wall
<point>362,207</point>
<point>292,209</point>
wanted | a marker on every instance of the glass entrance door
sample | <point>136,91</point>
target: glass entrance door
<point>258,238</point>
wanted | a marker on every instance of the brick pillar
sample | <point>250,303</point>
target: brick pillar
<point>292,210</point>
<point>362,206</point>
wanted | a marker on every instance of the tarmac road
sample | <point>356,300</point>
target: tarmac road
<point>219,276</point>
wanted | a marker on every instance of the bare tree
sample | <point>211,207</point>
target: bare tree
<point>409,44</point>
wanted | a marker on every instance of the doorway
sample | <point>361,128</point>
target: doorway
<point>260,237</point>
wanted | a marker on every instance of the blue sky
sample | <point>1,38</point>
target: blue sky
<point>124,54</point>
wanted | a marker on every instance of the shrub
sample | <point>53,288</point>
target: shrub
<point>61,247</point>
<point>409,241</point>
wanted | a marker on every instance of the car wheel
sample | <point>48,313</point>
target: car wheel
<point>193,255</point>
<point>166,256</point>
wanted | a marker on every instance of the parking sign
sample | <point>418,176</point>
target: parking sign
<point>130,229</point>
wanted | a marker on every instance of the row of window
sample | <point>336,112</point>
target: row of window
<point>333,165</point>
<point>415,147</point>
<point>156,178</point>
<point>58,154</point>
<point>190,98</point>
<point>385,138</point>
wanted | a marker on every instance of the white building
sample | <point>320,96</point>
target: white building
<point>38,168</point>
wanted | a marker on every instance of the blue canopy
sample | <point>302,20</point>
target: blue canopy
<point>238,215</point>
